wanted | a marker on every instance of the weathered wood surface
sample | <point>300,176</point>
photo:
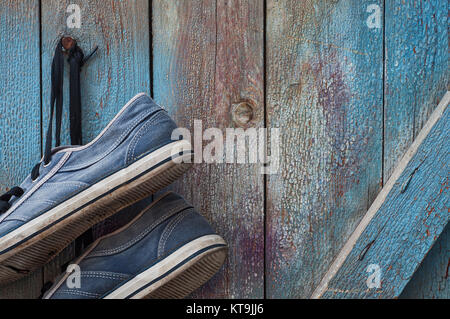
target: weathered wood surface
<point>20,107</point>
<point>431,279</point>
<point>417,76</point>
<point>20,104</point>
<point>404,221</point>
<point>208,56</point>
<point>118,71</point>
<point>324,89</point>
<point>324,79</point>
<point>417,71</point>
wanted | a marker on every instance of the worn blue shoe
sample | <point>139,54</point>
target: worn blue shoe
<point>167,251</point>
<point>75,187</point>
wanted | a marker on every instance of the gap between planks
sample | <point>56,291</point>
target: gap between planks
<point>345,251</point>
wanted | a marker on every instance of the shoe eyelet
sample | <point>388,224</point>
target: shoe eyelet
<point>34,180</point>
<point>45,165</point>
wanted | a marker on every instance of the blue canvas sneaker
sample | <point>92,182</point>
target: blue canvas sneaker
<point>75,187</point>
<point>167,251</point>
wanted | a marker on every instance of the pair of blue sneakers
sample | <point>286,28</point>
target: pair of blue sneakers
<point>167,251</point>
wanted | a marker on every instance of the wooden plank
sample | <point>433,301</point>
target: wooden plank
<point>417,76</point>
<point>20,105</point>
<point>431,279</point>
<point>26,288</point>
<point>324,89</point>
<point>58,265</point>
<point>404,221</point>
<point>207,59</point>
<point>119,70</point>
<point>417,72</point>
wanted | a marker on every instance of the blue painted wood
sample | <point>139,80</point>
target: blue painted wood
<point>208,57</point>
<point>404,228</point>
<point>20,138</point>
<point>324,76</point>
<point>20,104</point>
<point>431,279</point>
<point>417,76</point>
<point>119,70</point>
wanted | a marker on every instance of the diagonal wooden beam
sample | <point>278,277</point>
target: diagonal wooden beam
<point>403,222</point>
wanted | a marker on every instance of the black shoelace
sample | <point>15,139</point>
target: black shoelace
<point>76,60</point>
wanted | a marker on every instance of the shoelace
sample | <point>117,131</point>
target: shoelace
<point>76,60</point>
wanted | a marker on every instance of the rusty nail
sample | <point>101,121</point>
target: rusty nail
<point>365,250</point>
<point>68,43</point>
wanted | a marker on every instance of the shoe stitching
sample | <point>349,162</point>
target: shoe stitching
<point>106,273</point>
<point>79,293</point>
<point>58,184</point>
<point>49,175</point>
<point>140,133</point>
<point>17,218</point>
<point>104,276</point>
<point>31,202</point>
<point>169,229</point>
<point>135,239</point>
<point>38,200</point>
<point>129,104</point>
<point>141,235</point>
<point>132,147</point>
<point>118,141</point>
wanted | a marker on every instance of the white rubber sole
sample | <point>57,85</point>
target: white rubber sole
<point>38,241</point>
<point>179,274</point>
